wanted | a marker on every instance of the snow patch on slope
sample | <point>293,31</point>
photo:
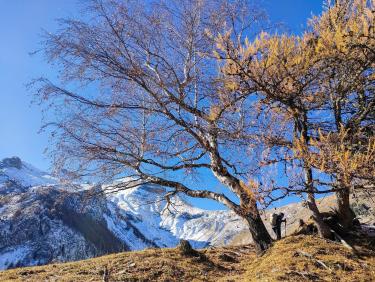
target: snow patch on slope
<point>12,256</point>
<point>57,223</point>
<point>24,174</point>
<point>144,209</point>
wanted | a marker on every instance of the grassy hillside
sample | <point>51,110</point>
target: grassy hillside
<point>296,258</point>
<point>147,265</point>
<point>307,258</point>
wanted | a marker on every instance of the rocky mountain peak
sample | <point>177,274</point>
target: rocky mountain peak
<point>11,162</point>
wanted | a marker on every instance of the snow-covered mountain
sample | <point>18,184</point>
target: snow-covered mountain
<point>41,221</point>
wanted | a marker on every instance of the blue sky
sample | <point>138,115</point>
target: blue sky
<point>21,22</point>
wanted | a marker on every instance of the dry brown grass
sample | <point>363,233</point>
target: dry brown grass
<point>285,261</point>
<point>147,265</point>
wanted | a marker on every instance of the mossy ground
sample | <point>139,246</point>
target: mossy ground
<point>283,262</point>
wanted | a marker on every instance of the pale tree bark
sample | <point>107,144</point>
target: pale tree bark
<point>259,233</point>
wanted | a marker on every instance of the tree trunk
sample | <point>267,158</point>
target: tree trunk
<point>323,229</point>
<point>345,214</point>
<point>248,207</point>
<point>261,237</point>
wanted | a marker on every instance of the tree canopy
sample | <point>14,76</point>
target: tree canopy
<point>151,90</point>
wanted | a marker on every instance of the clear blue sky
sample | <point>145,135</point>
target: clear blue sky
<point>21,22</point>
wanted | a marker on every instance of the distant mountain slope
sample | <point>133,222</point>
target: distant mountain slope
<point>42,221</point>
<point>296,258</point>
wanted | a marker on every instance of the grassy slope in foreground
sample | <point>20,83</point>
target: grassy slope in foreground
<point>283,262</point>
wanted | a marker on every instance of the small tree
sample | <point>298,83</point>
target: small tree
<point>142,98</point>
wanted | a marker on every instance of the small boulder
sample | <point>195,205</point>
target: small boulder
<point>227,258</point>
<point>186,249</point>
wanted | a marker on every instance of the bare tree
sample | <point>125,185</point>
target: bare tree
<point>141,96</point>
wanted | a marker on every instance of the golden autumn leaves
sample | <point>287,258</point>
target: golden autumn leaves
<point>326,74</point>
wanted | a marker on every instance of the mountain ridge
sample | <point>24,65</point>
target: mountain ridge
<point>43,221</point>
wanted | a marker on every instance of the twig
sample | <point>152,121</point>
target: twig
<point>342,241</point>
<point>313,258</point>
<point>304,274</point>
<point>105,274</point>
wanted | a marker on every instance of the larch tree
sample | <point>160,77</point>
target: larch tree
<point>279,72</point>
<point>317,91</point>
<point>344,38</point>
<point>141,96</point>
